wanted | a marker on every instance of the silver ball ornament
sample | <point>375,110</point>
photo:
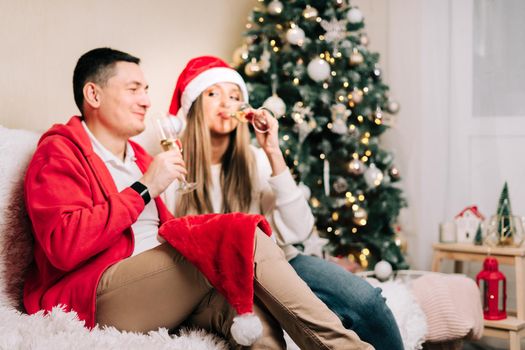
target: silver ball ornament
<point>383,270</point>
<point>275,104</point>
<point>392,107</point>
<point>275,7</point>
<point>373,176</point>
<point>354,16</point>
<point>310,13</point>
<point>295,36</point>
<point>318,69</point>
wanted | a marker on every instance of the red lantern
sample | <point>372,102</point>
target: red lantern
<point>494,289</point>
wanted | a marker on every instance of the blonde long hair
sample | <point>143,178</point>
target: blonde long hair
<point>237,167</point>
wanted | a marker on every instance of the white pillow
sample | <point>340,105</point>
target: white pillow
<point>16,242</point>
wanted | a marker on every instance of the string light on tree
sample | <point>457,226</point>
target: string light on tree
<point>356,167</point>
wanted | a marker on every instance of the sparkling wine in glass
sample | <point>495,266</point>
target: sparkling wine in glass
<point>243,112</point>
<point>169,129</point>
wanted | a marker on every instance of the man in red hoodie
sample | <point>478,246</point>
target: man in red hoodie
<point>89,192</point>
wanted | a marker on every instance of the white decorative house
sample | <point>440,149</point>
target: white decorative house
<point>467,223</point>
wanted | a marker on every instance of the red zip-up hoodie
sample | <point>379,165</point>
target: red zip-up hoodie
<point>81,223</point>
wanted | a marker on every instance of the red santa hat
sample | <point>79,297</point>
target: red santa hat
<point>221,247</point>
<point>199,74</point>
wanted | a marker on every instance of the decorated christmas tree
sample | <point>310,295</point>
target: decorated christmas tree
<point>308,61</point>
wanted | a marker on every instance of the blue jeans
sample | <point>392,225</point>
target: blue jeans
<point>360,306</point>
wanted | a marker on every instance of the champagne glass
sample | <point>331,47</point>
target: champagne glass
<point>243,112</point>
<point>169,129</point>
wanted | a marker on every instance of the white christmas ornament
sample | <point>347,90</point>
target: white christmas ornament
<point>295,36</point>
<point>339,127</point>
<point>373,176</point>
<point>354,16</point>
<point>275,7</point>
<point>383,270</point>
<point>335,30</point>
<point>318,69</point>
<point>275,104</point>
<point>310,13</point>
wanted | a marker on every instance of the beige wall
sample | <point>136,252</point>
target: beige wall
<point>41,41</point>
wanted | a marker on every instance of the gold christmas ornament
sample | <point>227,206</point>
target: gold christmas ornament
<point>360,217</point>
<point>356,58</point>
<point>252,68</point>
<point>310,13</point>
<point>357,95</point>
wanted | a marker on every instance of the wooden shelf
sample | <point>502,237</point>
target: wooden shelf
<point>513,327</point>
<point>511,323</point>
<point>480,249</point>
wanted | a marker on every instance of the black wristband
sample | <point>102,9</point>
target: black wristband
<point>142,190</point>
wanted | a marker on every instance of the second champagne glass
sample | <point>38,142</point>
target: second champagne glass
<point>243,112</point>
<point>169,129</point>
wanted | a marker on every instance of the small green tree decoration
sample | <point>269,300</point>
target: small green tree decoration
<point>478,239</point>
<point>506,226</point>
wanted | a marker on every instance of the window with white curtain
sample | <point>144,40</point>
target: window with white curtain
<point>499,58</point>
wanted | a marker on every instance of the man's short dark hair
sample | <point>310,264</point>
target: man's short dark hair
<point>96,66</point>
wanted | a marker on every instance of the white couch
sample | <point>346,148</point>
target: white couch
<point>59,329</point>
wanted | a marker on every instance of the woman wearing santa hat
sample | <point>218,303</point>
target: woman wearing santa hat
<point>234,176</point>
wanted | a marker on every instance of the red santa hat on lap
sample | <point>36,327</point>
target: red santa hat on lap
<point>221,247</point>
<point>199,74</point>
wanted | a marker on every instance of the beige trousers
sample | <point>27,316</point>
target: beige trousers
<point>159,288</point>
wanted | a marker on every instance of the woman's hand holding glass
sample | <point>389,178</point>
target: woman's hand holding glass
<point>266,132</point>
<point>244,113</point>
